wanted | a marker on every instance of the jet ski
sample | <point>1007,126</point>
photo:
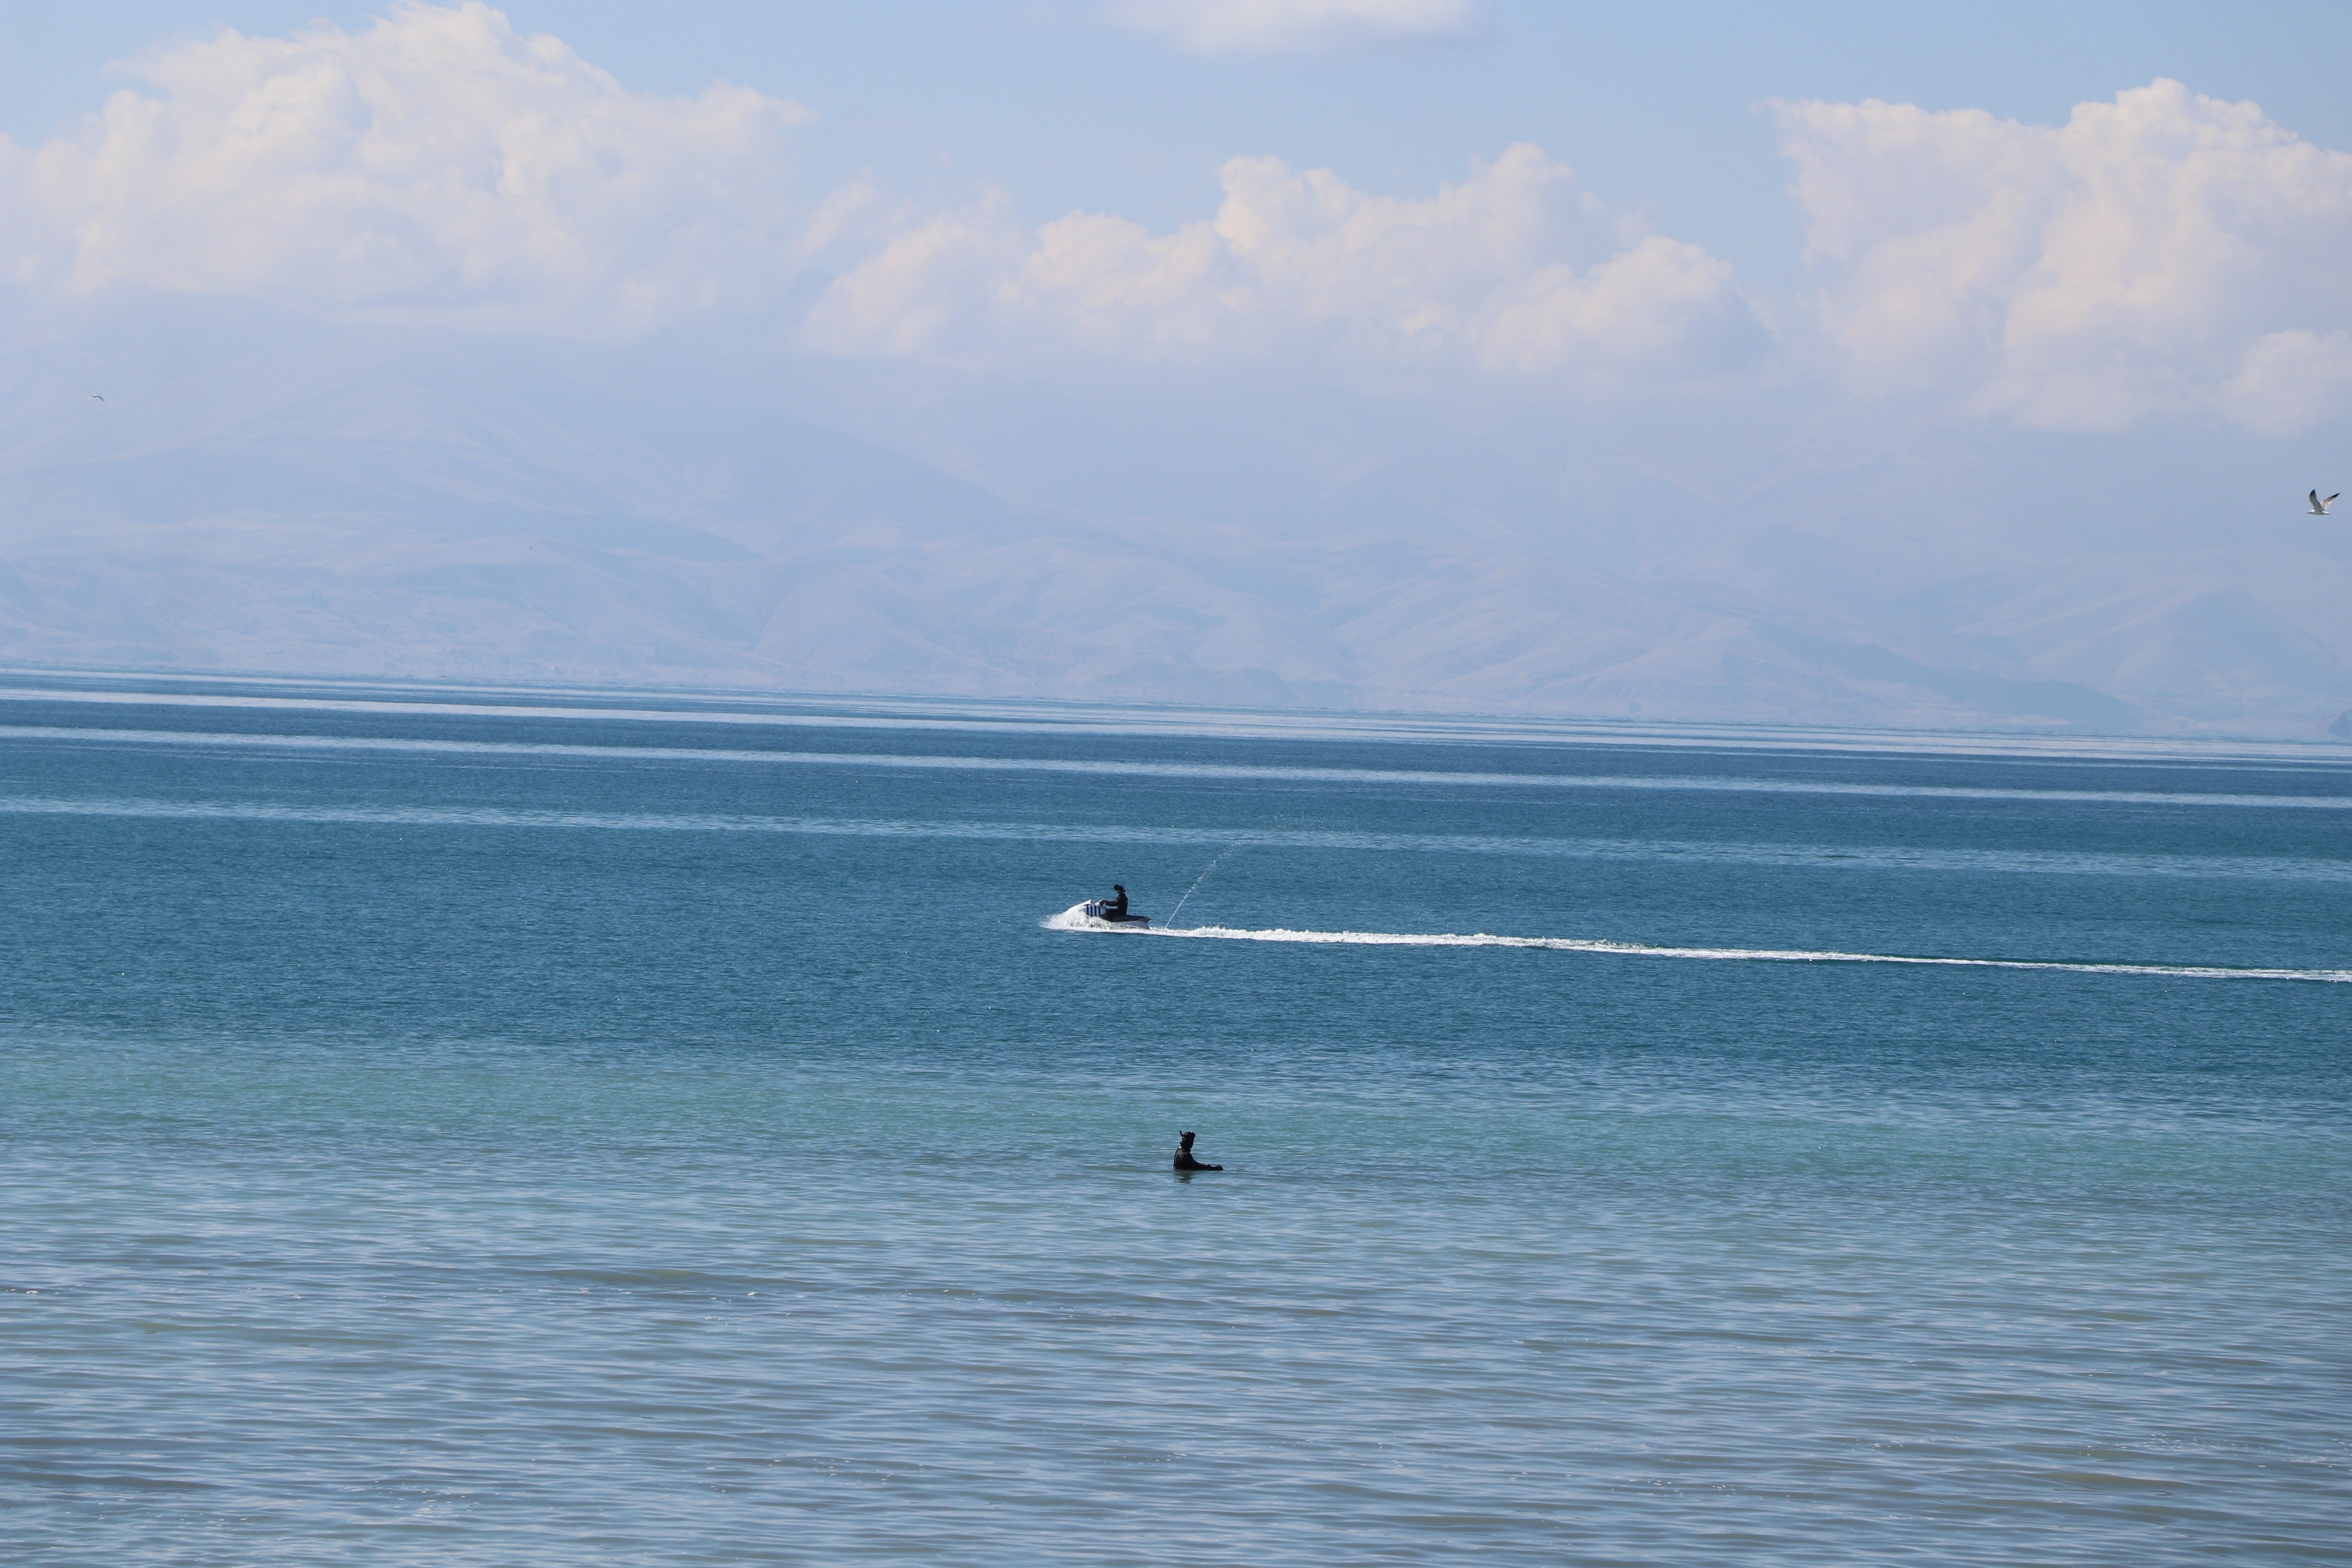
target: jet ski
<point>1100,910</point>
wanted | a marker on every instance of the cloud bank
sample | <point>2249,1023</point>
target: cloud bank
<point>437,163</point>
<point>2161,255</point>
<point>1514,270</point>
<point>2164,254</point>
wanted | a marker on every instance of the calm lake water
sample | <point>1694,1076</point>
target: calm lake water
<point>464,1130</point>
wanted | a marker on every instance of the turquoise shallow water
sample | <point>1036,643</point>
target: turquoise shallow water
<point>542,1136</point>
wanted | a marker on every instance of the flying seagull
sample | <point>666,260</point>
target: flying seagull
<point>2319,508</point>
<point>99,396</point>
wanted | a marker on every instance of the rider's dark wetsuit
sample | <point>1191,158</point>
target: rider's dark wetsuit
<point>1116,909</point>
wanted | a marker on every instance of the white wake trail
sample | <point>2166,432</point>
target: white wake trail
<point>1075,919</point>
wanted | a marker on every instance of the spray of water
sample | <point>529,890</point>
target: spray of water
<point>1075,919</point>
<point>1196,884</point>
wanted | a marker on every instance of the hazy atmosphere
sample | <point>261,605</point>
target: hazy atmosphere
<point>1090,783</point>
<point>1831,364</point>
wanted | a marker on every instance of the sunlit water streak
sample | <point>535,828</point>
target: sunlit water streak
<point>1855,857</point>
<point>1731,784</point>
<point>276,695</point>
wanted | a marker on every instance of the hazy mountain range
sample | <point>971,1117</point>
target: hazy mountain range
<point>376,501</point>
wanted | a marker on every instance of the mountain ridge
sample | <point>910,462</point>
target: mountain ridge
<point>433,509</point>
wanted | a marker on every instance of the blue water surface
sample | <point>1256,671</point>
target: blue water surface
<point>518,1129</point>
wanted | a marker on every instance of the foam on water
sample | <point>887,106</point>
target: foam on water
<point>1075,919</point>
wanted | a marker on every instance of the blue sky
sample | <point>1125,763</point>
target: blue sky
<point>1998,340</point>
<point>1657,106</point>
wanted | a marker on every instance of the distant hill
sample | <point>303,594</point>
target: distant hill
<point>365,501</point>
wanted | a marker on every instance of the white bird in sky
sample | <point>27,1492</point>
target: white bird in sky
<point>2319,508</point>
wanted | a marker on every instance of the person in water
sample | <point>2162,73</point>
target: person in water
<point>1184,1161</point>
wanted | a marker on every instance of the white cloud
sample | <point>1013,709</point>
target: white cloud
<point>436,161</point>
<point>2164,253</point>
<point>1285,26</point>
<point>1514,269</point>
<point>2290,381</point>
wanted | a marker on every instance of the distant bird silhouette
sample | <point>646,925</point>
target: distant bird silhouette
<point>101,399</point>
<point>2319,508</point>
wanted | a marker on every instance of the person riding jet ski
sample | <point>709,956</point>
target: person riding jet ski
<point>1114,910</point>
